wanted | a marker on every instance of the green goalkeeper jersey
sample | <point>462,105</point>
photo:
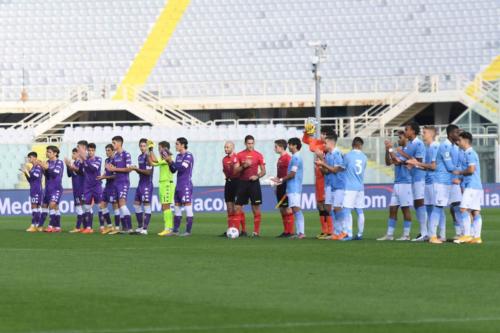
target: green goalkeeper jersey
<point>165,174</point>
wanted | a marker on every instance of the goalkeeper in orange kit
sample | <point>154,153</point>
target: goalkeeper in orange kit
<point>318,146</point>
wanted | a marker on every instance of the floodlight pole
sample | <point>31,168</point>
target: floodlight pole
<point>319,56</point>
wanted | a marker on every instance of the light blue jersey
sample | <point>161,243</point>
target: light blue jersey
<point>355,166</point>
<point>444,164</point>
<point>294,185</point>
<point>339,177</point>
<point>416,149</point>
<point>430,156</point>
<point>456,157</point>
<point>473,181</point>
<point>329,160</point>
<point>402,175</point>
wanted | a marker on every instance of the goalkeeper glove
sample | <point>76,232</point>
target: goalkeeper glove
<point>151,145</point>
<point>310,128</point>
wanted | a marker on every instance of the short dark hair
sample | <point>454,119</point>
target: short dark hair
<point>295,142</point>
<point>450,128</point>
<point>357,141</point>
<point>328,130</point>
<point>183,141</point>
<point>332,136</point>
<point>92,145</point>
<point>400,132</point>
<point>74,150</point>
<point>281,143</point>
<point>430,128</point>
<point>117,138</point>
<point>54,149</point>
<point>249,137</point>
<point>32,154</point>
<point>414,126</point>
<point>109,146</point>
<point>466,135</point>
<point>143,140</point>
<point>164,144</point>
<point>83,143</point>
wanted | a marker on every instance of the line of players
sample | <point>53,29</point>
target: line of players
<point>428,176</point>
<point>85,171</point>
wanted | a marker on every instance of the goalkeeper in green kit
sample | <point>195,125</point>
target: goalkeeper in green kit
<point>166,187</point>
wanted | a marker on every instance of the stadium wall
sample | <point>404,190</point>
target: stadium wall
<point>211,199</point>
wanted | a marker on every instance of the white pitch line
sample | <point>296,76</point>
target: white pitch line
<point>256,326</point>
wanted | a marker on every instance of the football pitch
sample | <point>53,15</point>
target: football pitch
<point>71,283</point>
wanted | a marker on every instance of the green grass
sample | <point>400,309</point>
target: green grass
<point>93,283</point>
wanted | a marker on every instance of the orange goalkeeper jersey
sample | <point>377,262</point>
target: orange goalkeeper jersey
<point>314,145</point>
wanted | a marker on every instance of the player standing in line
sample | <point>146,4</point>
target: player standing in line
<point>166,187</point>
<point>231,186</point>
<point>249,163</point>
<point>73,169</point>
<point>442,183</point>
<point>473,195</point>
<point>316,145</point>
<point>120,166</point>
<point>281,189</point>
<point>293,180</point>
<point>144,191</point>
<point>53,169</point>
<point>354,196</point>
<point>183,165</point>
<point>34,178</point>
<point>402,194</point>
<point>416,150</point>
<point>457,156</point>
<point>429,165</point>
<point>108,194</point>
<point>92,187</point>
<point>332,167</point>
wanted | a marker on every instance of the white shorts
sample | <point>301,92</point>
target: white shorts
<point>402,195</point>
<point>429,195</point>
<point>441,194</point>
<point>455,193</point>
<point>334,197</point>
<point>294,200</point>
<point>472,199</point>
<point>354,199</point>
<point>418,189</point>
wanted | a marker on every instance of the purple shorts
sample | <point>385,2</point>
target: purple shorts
<point>143,193</point>
<point>78,198</point>
<point>121,190</point>
<point>36,197</point>
<point>108,195</point>
<point>183,194</point>
<point>93,195</point>
<point>51,195</point>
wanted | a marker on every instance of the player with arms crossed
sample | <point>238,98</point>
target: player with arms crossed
<point>53,170</point>
<point>281,192</point>
<point>293,181</point>
<point>183,165</point>
<point>473,195</point>
<point>354,195</point>
<point>120,166</point>
<point>108,194</point>
<point>73,169</point>
<point>402,194</point>
<point>166,187</point>
<point>315,146</point>
<point>251,167</point>
<point>34,178</point>
<point>144,190</point>
<point>231,185</point>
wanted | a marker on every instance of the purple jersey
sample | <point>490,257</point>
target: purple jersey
<point>183,165</point>
<point>107,173</point>
<point>122,160</point>
<point>145,180</point>
<point>53,176</point>
<point>92,170</point>
<point>77,177</point>
<point>35,179</point>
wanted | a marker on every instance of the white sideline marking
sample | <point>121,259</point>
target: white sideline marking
<point>257,326</point>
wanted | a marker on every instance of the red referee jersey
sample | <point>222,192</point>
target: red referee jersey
<point>255,159</point>
<point>282,165</point>
<point>228,163</point>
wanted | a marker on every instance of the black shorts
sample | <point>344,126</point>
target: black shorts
<point>230,190</point>
<point>280,192</point>
<point>248,189</point>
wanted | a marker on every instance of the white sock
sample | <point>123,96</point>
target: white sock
<point>477,225</point>
<point>361,221</point>
<point>466,223</point>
